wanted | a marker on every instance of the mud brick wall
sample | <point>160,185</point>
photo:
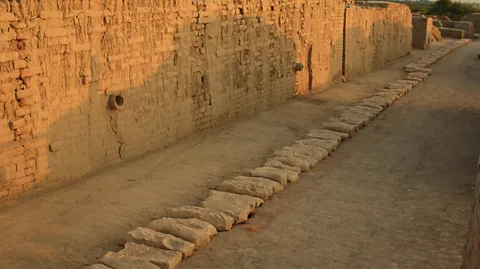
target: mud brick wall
<point>376,33</point>
<point>451,32</point>
<point>466,26</point>
<point>471,255</point>
<point>475,19</point>
<point>181,67</point>
<point>422,32</point>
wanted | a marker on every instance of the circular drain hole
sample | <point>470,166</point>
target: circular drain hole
<point>116,101</point>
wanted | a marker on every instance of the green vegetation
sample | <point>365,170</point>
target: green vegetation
<point>418,7</point>
<point>454,10</point>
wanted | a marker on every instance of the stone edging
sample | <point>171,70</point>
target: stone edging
<point>166,241</point>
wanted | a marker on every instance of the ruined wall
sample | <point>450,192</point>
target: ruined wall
<point>471,255</point>
<point>181,67</point>
<point>422,32</point>
<point>376,34</point>
<point>475,19</point>
<point>451,32</point>
<point>466,26</point>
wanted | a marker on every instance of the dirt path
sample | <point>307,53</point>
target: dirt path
<point>397,195</point>
<point>346,208</point>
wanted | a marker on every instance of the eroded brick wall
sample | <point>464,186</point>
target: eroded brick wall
<point>475,19</point>
<point>376,33</point>
<point>422,32</point>
<point>181,66</point>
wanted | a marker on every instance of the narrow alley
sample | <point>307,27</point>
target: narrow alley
<point>398,195</point>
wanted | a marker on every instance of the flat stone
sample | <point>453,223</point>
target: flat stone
<point>156,239</point>
<point>394,85</point>
<point>187,233</point>
<point>377,101</point>
<point>328,135</point>
<point>328,145</point>
<point>418,75</point>
<point>413,78</point>
<point>424,70</point>
<point>292,176</point>
<point>374,110</point>
<point>97,266</point>
<point>237,206</point>
<point>253,186</point>
<point>315,152</point>
<point>271,173</point>
<point>220,220</point>
<point>351,117</point>
<point>389,95</point>
<point>397,92</point>
<point>304,166</point>
<point>165,259</point>
<point>280,165</point>
<point>119,261</point>
<point>342,127</point>
<point>364,111</point>
<point>407,83</point>
<point>414,66</point>
<point>195,223</point>
<point>287,153</point>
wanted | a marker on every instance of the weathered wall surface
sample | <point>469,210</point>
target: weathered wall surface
<point>181,66</point>
<point>471,255</point>
<point>451,32</point>
<point>376,34</point>
<point>475,19</point>
<point>466,26</point>
<point>422,32</point>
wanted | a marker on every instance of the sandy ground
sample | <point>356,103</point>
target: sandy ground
<point>399,189</point>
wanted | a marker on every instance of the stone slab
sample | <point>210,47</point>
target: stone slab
<point>406,83</point>
<point>389,95</point>
<point>195,223</point>
<point>253,186</point>
<point>413,78</point>
<point>119,261</point>
<point>271,173</point>
<point>328,135</point>
<point>342,127</point>
<point>187,233</point>
<point>377,101</point>
<point>304,166</point>
<point>397,92</point>
<point>418,75</point>
<point>165,259</point>
<point>375,110</point>
<point>290,154</point>
<point>315,152</point>
<point>394,85</point>
<point>280,165</point>
<point>354,118</point>
<point>220,220</point>
<point>237,206</point>
<point>328,145</point>
<point>414,66</point>
<point>364,111</point>
<point>156,239</point>
<point>98,266</point>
